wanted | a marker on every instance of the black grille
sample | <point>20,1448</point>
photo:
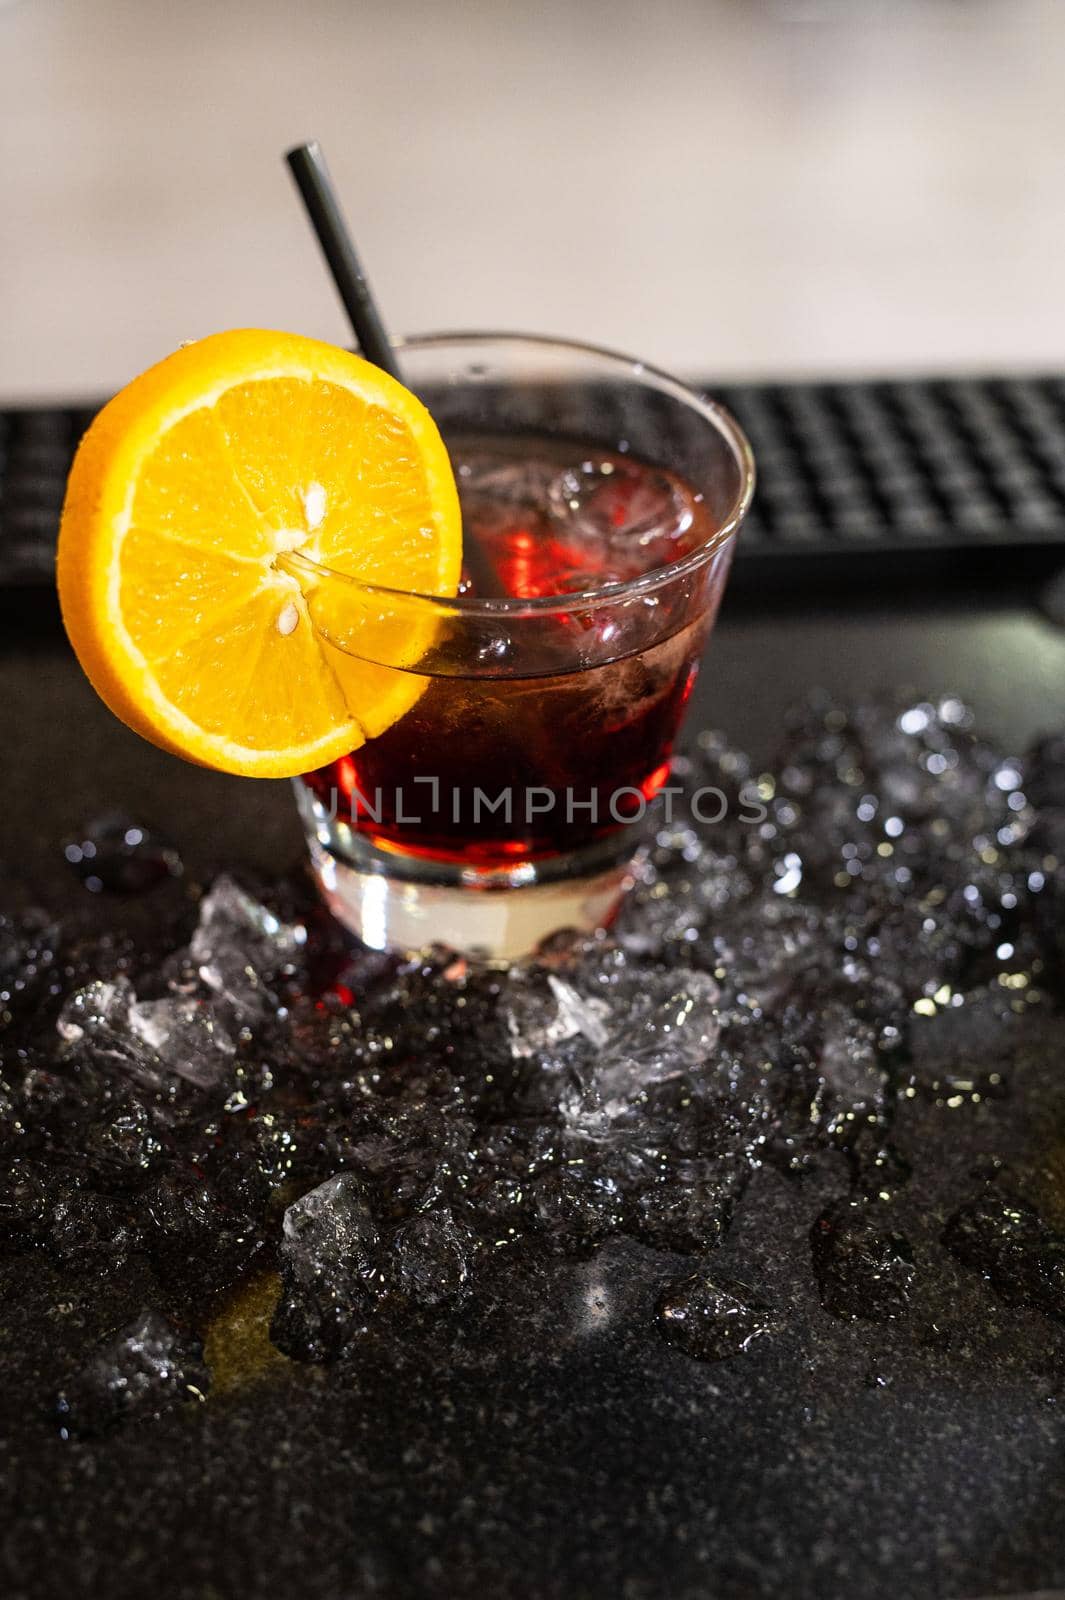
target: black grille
<point>966,466</point>
<point>36,446</point>
<point>964,469</point>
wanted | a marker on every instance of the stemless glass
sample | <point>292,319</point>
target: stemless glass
<point>506,803</point>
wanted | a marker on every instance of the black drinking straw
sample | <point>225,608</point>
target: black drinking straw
<point>308,167</point>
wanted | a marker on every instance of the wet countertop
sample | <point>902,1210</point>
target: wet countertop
<point>548,1442</point>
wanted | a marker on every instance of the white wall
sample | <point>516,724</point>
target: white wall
<point>733,188</point>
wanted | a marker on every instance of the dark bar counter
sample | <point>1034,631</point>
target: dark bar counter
<point>550,1444</point>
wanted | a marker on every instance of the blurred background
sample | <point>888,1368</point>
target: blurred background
<point>733,188</point>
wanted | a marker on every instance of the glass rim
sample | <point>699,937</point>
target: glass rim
<point>716,415</point>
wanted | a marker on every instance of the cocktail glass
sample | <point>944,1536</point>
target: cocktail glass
<point>508,802</point>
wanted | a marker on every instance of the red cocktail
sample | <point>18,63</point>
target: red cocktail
<point>599,504</point>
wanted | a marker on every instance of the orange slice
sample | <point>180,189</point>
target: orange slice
<point>186,499</point>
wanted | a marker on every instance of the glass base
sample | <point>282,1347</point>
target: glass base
<point>395,902</point>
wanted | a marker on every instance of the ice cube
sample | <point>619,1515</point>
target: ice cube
<point>84,1224</point>
<point>186,1036</point>
<point>95,1024</point>
<point>650,1027</point>
<point>121,1146</point>
<point>95,1011</point>
<point>688,1203</point>
<point>145,1040</point>
<point>623,517</point>
<point>328,1270</point>
<point>576,1205</point>
<point>541,1016</point>
<point>710,1321</point>
<point>427,1260</point>
<point>767,946</point>
<point>144,1370</point>
<point>667,1025</point>
<point>849,1062</point>
<point>484,475</point>
<point>328,1232</point>
<point>585,1015</point>
<point>863,1265</point>
<point>1006,1239</point>
<point>895,800</point>
<point>680,896</point>
<point>611,1032</point>
<point>662,1024</point>
<point>239,946</point>
<point>197,1245</point>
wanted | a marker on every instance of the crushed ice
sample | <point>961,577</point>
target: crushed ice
<point>875,930</point>
<point>237,946</point>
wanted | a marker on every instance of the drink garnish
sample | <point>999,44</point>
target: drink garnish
<point>188,496</point>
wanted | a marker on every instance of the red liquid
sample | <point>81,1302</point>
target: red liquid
<point>514,769</point>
